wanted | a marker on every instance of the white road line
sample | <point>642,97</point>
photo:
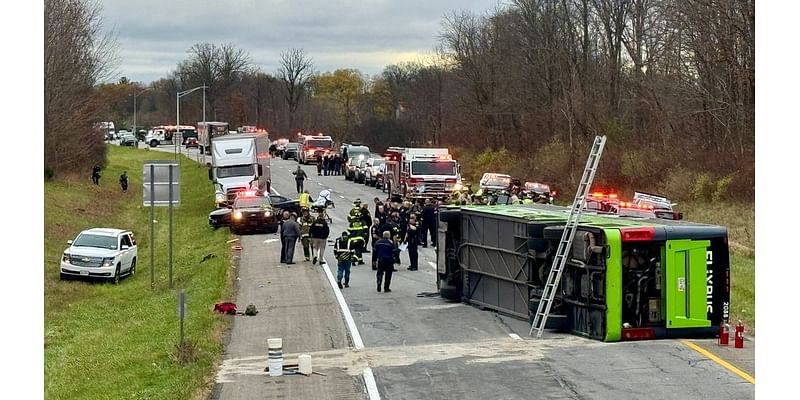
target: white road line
<point>514,336</point>
<point>432,264</point>
<point>348,318</point>
<point>341,196</point>
<point>369,382</point>
<point>272,188</point>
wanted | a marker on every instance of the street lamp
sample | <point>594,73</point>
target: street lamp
<point>136,134</point>
<point>178,112</point>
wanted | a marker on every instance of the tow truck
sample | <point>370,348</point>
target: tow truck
<point>420,172</point>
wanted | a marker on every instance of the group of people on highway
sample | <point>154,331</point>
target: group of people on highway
<point>395,225</point>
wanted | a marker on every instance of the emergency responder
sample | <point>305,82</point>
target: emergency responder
<point>299,177</point>
<point>319,232</point>
<point>376,232</point>
<point>383,252</point>
<point>305,200</point>
<point>319,165</point>
<point>528,199</point>
<point>356,230</point>
<point>412,240</point>
<point>428,223</point>
<point>393,226</point>
<point>344,258</point>
<point>366,220</point>
<point>305,225</point>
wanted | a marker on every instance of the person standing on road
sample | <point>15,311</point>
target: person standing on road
<point>319,165</point>
<point>291,231</point>
<point>344,258</point>
<point>123,181</point>
<point>96,174</point>
<point>337,164</point>
<point>305,200</point>
<point>376,231</point>
<point>384,251</point>
<point>428,223</point>
<point>319,236</point>
<point>299,177</point>
<point>412,240</point>
<point>284,217</point>
<point>305,227</point>
<point>366,220</point>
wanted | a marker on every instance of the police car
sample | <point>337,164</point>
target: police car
<point>253,212</point>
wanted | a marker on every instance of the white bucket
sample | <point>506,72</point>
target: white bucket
<point>275,356</point>
<point>304,364</point>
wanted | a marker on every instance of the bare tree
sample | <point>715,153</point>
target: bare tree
<point>296,71</point>
<point>77,55</point>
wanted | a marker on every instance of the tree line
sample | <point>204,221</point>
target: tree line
<point>522,88</point>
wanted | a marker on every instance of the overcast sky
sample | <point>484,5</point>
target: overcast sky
<point>154,35</point>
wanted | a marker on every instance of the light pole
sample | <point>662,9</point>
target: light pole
<point>178,112</point>
<point>135,133</point>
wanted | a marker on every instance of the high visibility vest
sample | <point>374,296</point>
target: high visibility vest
<point>305,200</point>
<point>527,201</point>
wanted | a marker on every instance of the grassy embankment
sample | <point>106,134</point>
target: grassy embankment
<point>739,218</point>
<point>104,341</point>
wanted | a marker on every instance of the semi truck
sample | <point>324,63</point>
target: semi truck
<point>420,172</point>
<point>239,162</point>
<point>626,278</point>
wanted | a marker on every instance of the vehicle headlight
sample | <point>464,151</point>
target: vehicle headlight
<point>219,198</point>
<point>267,213</point>
<point>108,261</point>
<point>237,215</point>
<point>65,257</point>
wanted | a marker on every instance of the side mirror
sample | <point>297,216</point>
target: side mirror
<point>125,247</point>
<point>69,242</point>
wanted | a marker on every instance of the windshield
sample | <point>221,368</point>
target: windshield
<point>378,162</point>
<point>236,170</point>
<point>247,202</point>
<point>319,143</point>
<point>292,146</point>
<point>433,168</point>
<point>496,181</point>
<point>537,187</point>
<point>101,241</point>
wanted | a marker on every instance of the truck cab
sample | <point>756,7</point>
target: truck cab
<point>239,162</point>
<point>313,146</point>
<point>420,172</point>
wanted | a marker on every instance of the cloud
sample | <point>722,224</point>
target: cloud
<point>365,35</point>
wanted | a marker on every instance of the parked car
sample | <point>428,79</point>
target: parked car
<point>373,173</point>
<point>360,172</point>
<point>192,142</point>
<point>127,139</point>
<point>104,253</point>
<point>291,151</point>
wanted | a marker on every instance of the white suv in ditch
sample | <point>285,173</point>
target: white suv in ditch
<point>100,253</point>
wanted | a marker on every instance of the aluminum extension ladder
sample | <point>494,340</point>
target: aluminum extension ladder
<point>560,260</point>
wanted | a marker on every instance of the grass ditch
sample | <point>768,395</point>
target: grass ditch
<point>107,341</point>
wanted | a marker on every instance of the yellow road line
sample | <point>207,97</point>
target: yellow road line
<point>727,365</point>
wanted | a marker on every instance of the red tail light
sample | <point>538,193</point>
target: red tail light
<point>637,234</point>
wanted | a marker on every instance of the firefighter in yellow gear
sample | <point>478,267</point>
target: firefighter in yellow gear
<point>305,200</point>
<point>356,241</point>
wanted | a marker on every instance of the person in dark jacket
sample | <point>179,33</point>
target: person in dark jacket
<point>412,240</point>
<point>393,227</point>
<point>96,174</point>
<point>283,218</point>
<point>366,220</point>
<point>305,233</point>
<point>344,258</point>
<point>291,231</point>
<point>123,181</point>
<point>376,234</point>
<point>319,232</point>
<point>319,165</point>
<point>337,164</point>
<point>299,177</point>
<point>428,223</point>
<point>384,251</point>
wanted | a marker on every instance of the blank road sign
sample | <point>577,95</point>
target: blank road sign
<point>156,175</point>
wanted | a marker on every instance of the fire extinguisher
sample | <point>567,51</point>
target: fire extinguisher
<point>739,336</point>
<point>724,333</point>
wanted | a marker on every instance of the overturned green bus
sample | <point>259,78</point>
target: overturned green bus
<point>626,278</point>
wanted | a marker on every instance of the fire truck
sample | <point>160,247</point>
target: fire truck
<point>312,146</point>
<point>420,172</point>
